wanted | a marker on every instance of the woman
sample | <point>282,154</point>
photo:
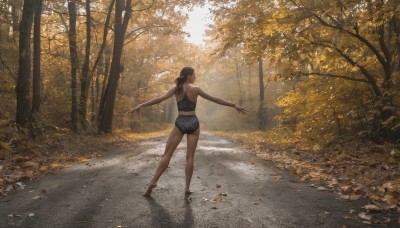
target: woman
<point>186,123</point>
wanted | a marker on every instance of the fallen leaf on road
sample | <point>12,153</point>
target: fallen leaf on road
<point>216,200</point>
<point>351,197</point>
<point>389,199</point>
<point>302,179</point>
<point>218,186</point>
<point>372,207</point>
<point>364,216</point>
<point>31,214</point>
<point>36,197</point>
<point>315,174</point>
<point>345,189</point>
<point>223,194</point>
<point>9,187</point>
<point>321,188</point>
<point>333,182</point>
<point>299,171</point>
<point>387,220</point>
<point>214,208</point>
<point>20,185</point>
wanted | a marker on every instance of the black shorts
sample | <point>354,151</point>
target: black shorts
<point>187,124</point>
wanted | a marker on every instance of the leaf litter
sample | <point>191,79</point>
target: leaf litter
<point>23,158</point>
<point>353,169</point>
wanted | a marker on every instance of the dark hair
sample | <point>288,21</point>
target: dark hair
<point>185,72</point>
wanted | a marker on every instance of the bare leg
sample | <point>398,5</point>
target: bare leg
<point>192,140</point>
<point>173,141</point>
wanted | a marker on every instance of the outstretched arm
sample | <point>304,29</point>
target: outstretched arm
<point>221,101</point>
<point>154,100</point>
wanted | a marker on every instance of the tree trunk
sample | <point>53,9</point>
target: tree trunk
<point>238,80</point>
<point>261,108</point>
<point>93,104</point>
<point>74,63</point>
<point>14,18</point>
<point>100,72</point>
<point>261,79</point>
<point>106,71</point>
<point>22,88</point>
<point>249,81</point>
<point>107,102</point>
<point>105,33</point>
<point>85,82</point>
<point>36,58</point>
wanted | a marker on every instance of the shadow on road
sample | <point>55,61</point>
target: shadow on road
<point>160,217</point>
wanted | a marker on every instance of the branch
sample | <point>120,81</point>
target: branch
<point>63,21</point>
<point>105,32</point>
<point>9,70</point>
<point>356,35</point>
<point>331,76</point>
<point>385,50</point>
<point>143,30</point>
<point>145,8</point>
<point>363,70</point>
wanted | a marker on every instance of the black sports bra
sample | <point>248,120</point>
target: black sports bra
<point>186,104</point>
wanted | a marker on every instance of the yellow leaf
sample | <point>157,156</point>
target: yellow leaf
<point>304,178</point>
<point>82,159</point>
<point>55,166</point>
<point>44,168</point>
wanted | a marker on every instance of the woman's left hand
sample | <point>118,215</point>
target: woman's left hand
<point>241,110</point>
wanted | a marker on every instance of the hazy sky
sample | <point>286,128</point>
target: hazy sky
<point>196,25</point>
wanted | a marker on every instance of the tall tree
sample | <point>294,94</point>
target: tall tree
<point>15,5</point>
<point>98,63</point>
<point>22,88</point>
<point>74,63</point>
<point>107,102</point>
<point>261,108</point>
<point>36,58</point>
<point>85,82</point>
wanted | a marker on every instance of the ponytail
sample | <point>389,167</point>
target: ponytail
<point>185,72</point>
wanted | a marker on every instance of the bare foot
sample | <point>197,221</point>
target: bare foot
<point>149,189</point>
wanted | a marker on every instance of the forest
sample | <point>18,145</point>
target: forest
<point>321,81</point>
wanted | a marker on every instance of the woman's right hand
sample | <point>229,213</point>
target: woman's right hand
<point>134,110</point>
<point>241,110</point>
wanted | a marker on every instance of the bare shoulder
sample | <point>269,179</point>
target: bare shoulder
<point>196,88</point>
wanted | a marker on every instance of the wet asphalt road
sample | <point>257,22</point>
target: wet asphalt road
<point>107,192</point>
